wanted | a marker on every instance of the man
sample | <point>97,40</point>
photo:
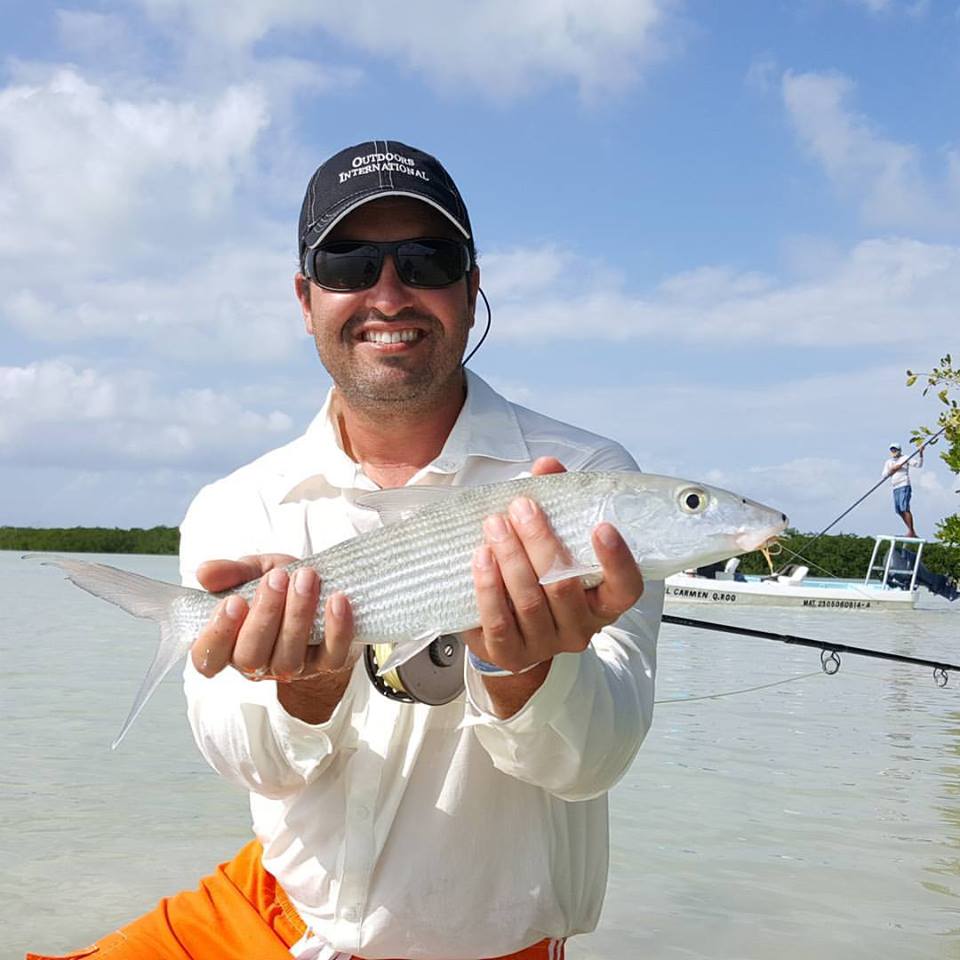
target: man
<point>898,467</point>
<point>386,829</point>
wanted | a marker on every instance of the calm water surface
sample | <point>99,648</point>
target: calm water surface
<point>818,817</point>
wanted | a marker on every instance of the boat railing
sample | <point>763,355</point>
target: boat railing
<point>887,567</point>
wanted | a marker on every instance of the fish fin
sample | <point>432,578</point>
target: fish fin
<point>406,650</point>
<point>170,648</point>
<point>590,573</point>
<point>400,503</point>
<point>138,595</point>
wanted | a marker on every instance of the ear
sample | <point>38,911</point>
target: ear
<point>301,286</point>
<point>473,285</point>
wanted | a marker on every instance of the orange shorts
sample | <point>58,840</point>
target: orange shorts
<point>239,912</point>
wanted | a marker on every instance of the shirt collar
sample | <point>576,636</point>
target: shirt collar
<point>486,427</point>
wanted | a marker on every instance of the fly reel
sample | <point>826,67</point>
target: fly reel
<point>434,676</point>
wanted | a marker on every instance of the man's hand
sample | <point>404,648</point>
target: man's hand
<point>269,638</point>
<point>524,623</point>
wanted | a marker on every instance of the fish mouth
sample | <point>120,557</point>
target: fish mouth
<point>749,540</point>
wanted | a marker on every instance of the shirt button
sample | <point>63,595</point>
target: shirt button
<point>363,813</point>
<point>352,915</point>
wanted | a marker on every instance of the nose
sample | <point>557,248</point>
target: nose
<point>389,295</point>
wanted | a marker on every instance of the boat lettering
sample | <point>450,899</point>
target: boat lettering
<point>692,593</point>
<point>842,604</point>
<point>725,597</point>
<point>688,592</point>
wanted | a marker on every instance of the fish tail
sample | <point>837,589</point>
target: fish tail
<point>143,597</point>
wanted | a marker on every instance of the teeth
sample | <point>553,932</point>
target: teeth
<point>391,336</point>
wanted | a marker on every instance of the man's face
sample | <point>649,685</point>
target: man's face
<point>372,372</point>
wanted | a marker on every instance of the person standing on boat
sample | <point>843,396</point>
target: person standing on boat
<point>898,468</point>
<point>397,829</point>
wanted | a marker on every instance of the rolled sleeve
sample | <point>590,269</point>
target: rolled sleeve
<point>579,732</point>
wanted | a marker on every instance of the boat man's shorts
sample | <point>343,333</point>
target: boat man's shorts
<point>239,912</point>
<point>901,498</point>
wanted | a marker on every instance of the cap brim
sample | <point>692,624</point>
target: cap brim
<point>362,199</point>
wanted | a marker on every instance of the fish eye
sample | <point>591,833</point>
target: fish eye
<point>692,500</point>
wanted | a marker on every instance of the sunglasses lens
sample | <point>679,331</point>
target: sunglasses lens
<point>431,263</point>
<point>351,265</point>
<point>347,265</point>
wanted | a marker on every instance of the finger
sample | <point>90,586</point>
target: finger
<point>544,465</point>
<point>622,583</point>
<point>498,640</point>
<point>338,634</point>
<point>217,575</point>
<point>258,635</point>
<point>213,648</point>
<point>520,580</point>
<point>299,613</point>
<point>565,599</point>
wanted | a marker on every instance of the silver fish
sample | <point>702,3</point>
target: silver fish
<point>410,580</point>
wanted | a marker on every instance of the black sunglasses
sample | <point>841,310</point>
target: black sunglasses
<point>428,262</point>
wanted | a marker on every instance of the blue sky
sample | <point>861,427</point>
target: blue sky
<point>719,233</point>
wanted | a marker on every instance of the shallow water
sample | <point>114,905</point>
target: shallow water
<point>814,817</point>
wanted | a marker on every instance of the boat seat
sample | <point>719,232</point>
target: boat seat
<point>792,573</point>
<point>729,572</point>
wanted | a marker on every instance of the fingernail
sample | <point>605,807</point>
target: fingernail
<point>277,579</point>
<point>338,605</point>
<point>205,660</point>
<point>233,608</point>
<point>483,558</point>
<point>522,510</point>
<point>608,535</point>
<point>303,581</point>
<point>495,528</point>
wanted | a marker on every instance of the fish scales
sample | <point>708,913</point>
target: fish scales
<point>408,578</point>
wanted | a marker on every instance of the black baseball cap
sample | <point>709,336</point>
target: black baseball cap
<point>369,171</point>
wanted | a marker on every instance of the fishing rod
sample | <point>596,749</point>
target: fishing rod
<point>880,482</point>
<point>829,652</point>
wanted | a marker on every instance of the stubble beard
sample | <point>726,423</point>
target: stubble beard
<point>399,386</point>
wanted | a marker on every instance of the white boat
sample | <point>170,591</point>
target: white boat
<point>886,586</point>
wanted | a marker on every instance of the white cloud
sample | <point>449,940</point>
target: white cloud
<point>144,215</point>
<point>881,291</point>
<point>88,174</point>
<point>236,303</point>
<point>885,177</point>
<point>53,413</point>
<point>498,47</point>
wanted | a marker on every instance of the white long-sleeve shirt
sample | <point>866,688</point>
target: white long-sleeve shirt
<point>405,830</point>
<point>898,468</point>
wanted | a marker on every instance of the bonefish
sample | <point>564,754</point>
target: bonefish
<point>410,580</point>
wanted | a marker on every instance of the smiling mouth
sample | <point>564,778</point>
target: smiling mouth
<point>392,336</point>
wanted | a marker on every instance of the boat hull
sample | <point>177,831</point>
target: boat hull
<point>842,595</point>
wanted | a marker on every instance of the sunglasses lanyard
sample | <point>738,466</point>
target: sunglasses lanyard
<point>486,330</point>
